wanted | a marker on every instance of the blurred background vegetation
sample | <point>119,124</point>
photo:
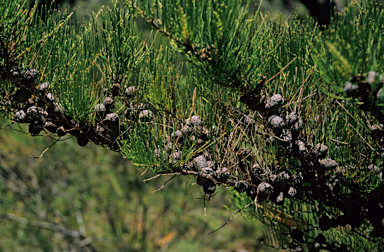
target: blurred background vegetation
<point>89,199</point>
<point>279,9</point>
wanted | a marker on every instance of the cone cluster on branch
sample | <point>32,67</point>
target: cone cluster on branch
<point>313,179</point>
<point>42,111</point>
<point>317,177</point>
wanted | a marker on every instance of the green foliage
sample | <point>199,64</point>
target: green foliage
<point>211,35</point>
<point>123,47</point>
<point>235,62</point>
<point>353,45</point>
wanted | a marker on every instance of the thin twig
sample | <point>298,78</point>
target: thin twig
<point>205,212</point>
<point>280,71</point>
<point>156,176</point>
<point>161,174</point>
<point>144,172</point>
<point>164,184</point>
<point>44,150</point>
<point>238,211</point>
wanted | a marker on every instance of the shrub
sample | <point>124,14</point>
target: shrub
<point>286,116</point>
